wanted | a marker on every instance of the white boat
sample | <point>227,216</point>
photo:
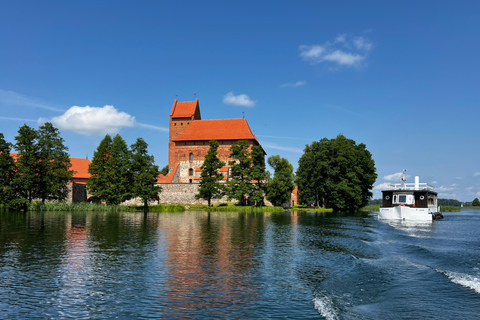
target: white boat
<point>410,201</point>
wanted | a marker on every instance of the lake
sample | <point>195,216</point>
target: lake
<point>238,266</point>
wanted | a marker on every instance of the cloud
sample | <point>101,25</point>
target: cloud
<point>476,174</point>
<point>18,119</point>
<point>94,121</point>
<point>448,195</point>
<point>294,85</point>
<point>444,189</point>
<point>152,127</point>
<point>394,177</point>
<point>282,148</point>
<point>382,186</point>
<point>344,51</point>
<point>10,99</point>
<point>241,100</point>
<point>434,182</point>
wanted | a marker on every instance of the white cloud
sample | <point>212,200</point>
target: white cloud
<point>382,186</point>
<point>394,177</point>
<point>152,127</point>
<point>444,189</point>
<point>447,195</point>
<point>93,120</point>
<point>18,119</point>
<point>362,44</point>
<point>10,99</point>
<point>344,51</point>
<point>294,84</point>
<point>241,100</point>
<point>478,194</point>
<point>283,148</point>
<point>434,182</point>
<point>476,174</point>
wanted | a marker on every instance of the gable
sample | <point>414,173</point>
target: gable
<point>186,109</point>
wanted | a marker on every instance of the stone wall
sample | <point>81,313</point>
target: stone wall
<point>76,193</point>
<point>178,193</point>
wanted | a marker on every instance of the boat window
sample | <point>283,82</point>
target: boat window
<point>402,198</point>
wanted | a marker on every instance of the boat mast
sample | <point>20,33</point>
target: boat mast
<point>404,179</point>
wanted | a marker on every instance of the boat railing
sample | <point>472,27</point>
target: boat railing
<point>411,186</point>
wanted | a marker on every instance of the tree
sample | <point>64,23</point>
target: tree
<point>111,179</point>
<point>210,186</point>
<point>336,173</point>
<point>258,175</point>
<point>282,184</point>
<point>54,166</point>
<point>476,202</point>
<point>144,173</point>
<point>240,185</point>
<point>28,163</point>
<point>8,171</point>
<point>101,174</point>
<point>164,170</point>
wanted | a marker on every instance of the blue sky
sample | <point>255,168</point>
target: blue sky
<point>401,77</point>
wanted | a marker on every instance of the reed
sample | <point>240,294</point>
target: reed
<point>450,209</point>
<point>371,207</point>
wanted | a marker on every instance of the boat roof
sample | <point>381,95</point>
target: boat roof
<point>410,187</point>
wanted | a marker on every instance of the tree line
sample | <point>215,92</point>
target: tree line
<point>248,181</point>
<point>41,169</point>
<point>334,173</point>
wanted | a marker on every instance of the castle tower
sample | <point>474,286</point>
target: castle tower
<point>181,116</point>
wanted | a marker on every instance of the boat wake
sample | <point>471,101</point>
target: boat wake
<point>465,280</point>
<point>325,307</point>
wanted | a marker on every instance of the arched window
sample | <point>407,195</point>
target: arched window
<point>190,181</point>
<point>190,172</point>
<point>191,156</point>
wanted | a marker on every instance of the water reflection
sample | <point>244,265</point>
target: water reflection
<point>179,265</point>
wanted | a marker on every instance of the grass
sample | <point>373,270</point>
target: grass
<point>450,209</point>
<point>88,207</point>
<point>371,207</point>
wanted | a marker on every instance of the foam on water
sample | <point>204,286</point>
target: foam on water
<point>325,307</point>
<point>465,280</point>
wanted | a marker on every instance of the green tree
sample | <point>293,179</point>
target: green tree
<point>54,166</point>
<point>28,163</point>
<point>476,202</point>
<point>111,180</point>
<point>258,175</point>
<point>8,171</point>
<point>240,184</point>
<point>210,186</point>
<point>102,176</point>
<point>282,184</point>
<point>164,170</point>
<point>336,173</point>
<point>144,173</point>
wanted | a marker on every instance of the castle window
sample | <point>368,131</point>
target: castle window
<point>190,181</point>
<point>181,124</point>
<point>190,172</point>
<point>175,124</point>
<point>191,156</point>
<point>188,123</point>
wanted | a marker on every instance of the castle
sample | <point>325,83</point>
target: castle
<point>189,141</point>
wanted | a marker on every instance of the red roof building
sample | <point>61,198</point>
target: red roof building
<point>190,137</point>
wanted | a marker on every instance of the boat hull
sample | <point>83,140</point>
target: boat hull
<point>405,213</point>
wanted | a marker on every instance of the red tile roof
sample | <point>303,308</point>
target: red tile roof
<point>79,166</point>
<point>167,179</point>
<point>226,129</point>
<point>184,109</point>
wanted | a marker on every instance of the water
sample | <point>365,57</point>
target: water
<point>238,266</point>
